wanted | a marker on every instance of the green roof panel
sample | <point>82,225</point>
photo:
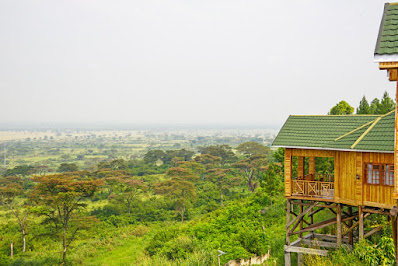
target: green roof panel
<point>321,132</point>
<point>387,41</point>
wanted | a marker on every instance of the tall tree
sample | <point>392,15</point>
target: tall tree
<point>59,197</point>
<point>387,104</point>
<point>126,191</point>
<point>223,151</point>
<point>363,108</point>
<point>375,106</point>
<point>273,180</point>
<point>250,148</point>
<point>181,191</point>
<point>67,167</point>
<point>10,189</point>
<point>222,180</point>
<point>209,161</point>
<point>342,108</point>
<point>251,168</point>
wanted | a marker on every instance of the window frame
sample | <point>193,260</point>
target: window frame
<point>385,175</point>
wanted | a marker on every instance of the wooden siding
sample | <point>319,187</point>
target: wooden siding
<point>350,185</point>
<point>288,172</point>
<point>345,174</point>
<point>377,195</point>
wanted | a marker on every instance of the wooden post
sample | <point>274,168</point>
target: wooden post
<point>301,220</point>
<point>300,167</point>
<point>299,259</point>
<point>339,234</point>
<point>311,166</point>
<point>350,236</point>
<point>287,254</point>
<point>12,249</point>
<point>287,221</point>
<point>395,193</point>
<point>360,216</point>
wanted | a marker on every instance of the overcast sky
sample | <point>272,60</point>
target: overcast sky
<point>185,61</point>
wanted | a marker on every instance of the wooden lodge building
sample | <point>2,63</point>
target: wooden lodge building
<point>346,165</point>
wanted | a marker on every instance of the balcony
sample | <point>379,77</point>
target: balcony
<point>314,186</point>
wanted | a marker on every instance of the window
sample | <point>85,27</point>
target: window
<point>379,174</point>
<point>389,176</point>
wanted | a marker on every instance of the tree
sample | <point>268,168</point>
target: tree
<point>251,168</point>
<point>151,157</point>
<point>182,173</point>
<point>59,197</point>
<point>342,108</point>
<point>272,181</point>
<point>19,170</point>
<point>222,180</point>
<point>387,104</point>
<point>250,148</point>
<point>223,151</point>
<point>363,108</point>
<point>128,190</point>
<point>67,167</point>
<point>181,191</point>
<point>374,106</point>
<point>209,161</point>
<point>10,189</point>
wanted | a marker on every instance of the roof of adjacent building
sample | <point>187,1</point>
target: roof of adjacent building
<point>338,132</point>
<point>387,40</point>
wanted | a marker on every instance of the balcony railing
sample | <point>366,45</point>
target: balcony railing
<point>311,188</point>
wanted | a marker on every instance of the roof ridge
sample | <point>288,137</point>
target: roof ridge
<point>366,132</point>
<point>364,125</point>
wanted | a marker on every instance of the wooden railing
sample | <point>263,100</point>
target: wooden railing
<point>312,188</point>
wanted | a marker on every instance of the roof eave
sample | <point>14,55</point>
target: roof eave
<point>381,58</point>
<point>328,149</point>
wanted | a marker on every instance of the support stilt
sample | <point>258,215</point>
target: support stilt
<point>338,215</point>
<point>360,217</point>
<point>350,223</point>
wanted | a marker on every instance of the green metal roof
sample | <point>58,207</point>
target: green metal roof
<point>342,132</point>
<point>387,40</point>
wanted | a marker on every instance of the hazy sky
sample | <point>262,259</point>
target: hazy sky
<point>185,61</point>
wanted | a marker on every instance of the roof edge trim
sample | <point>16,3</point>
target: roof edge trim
<point>328,149</point>
<point>381,58</point>
<point>381,28</point>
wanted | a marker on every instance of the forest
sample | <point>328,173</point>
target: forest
<point>156,199</point>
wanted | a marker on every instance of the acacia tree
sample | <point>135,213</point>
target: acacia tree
<point>251,148</point>
<point>10,189</point>
<point>209,161</point>
<point>222,180</point>
<point>128,190</point>
<point>223,151</point>
<point>59,197</point>
<point>251,168</point>
<point>181,191</point>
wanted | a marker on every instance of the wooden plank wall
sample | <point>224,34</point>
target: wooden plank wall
<point>288,172</point>
<point>377,195</point>
<point>345,174</point>
<point>348,165</point>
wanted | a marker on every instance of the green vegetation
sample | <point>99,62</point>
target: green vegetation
<point>162,207</point>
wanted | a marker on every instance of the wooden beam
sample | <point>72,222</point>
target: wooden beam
<point>309,204</point>
<point>320,225</point>
<point>375,211</point>
<point>388,65</point>
<point>323,244</point>
<point>374,230</point>
<point>297,219</point>
<point>311,251</point>
<point>315,212</point>
<point>354,225</point>
<point>332,238</point>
